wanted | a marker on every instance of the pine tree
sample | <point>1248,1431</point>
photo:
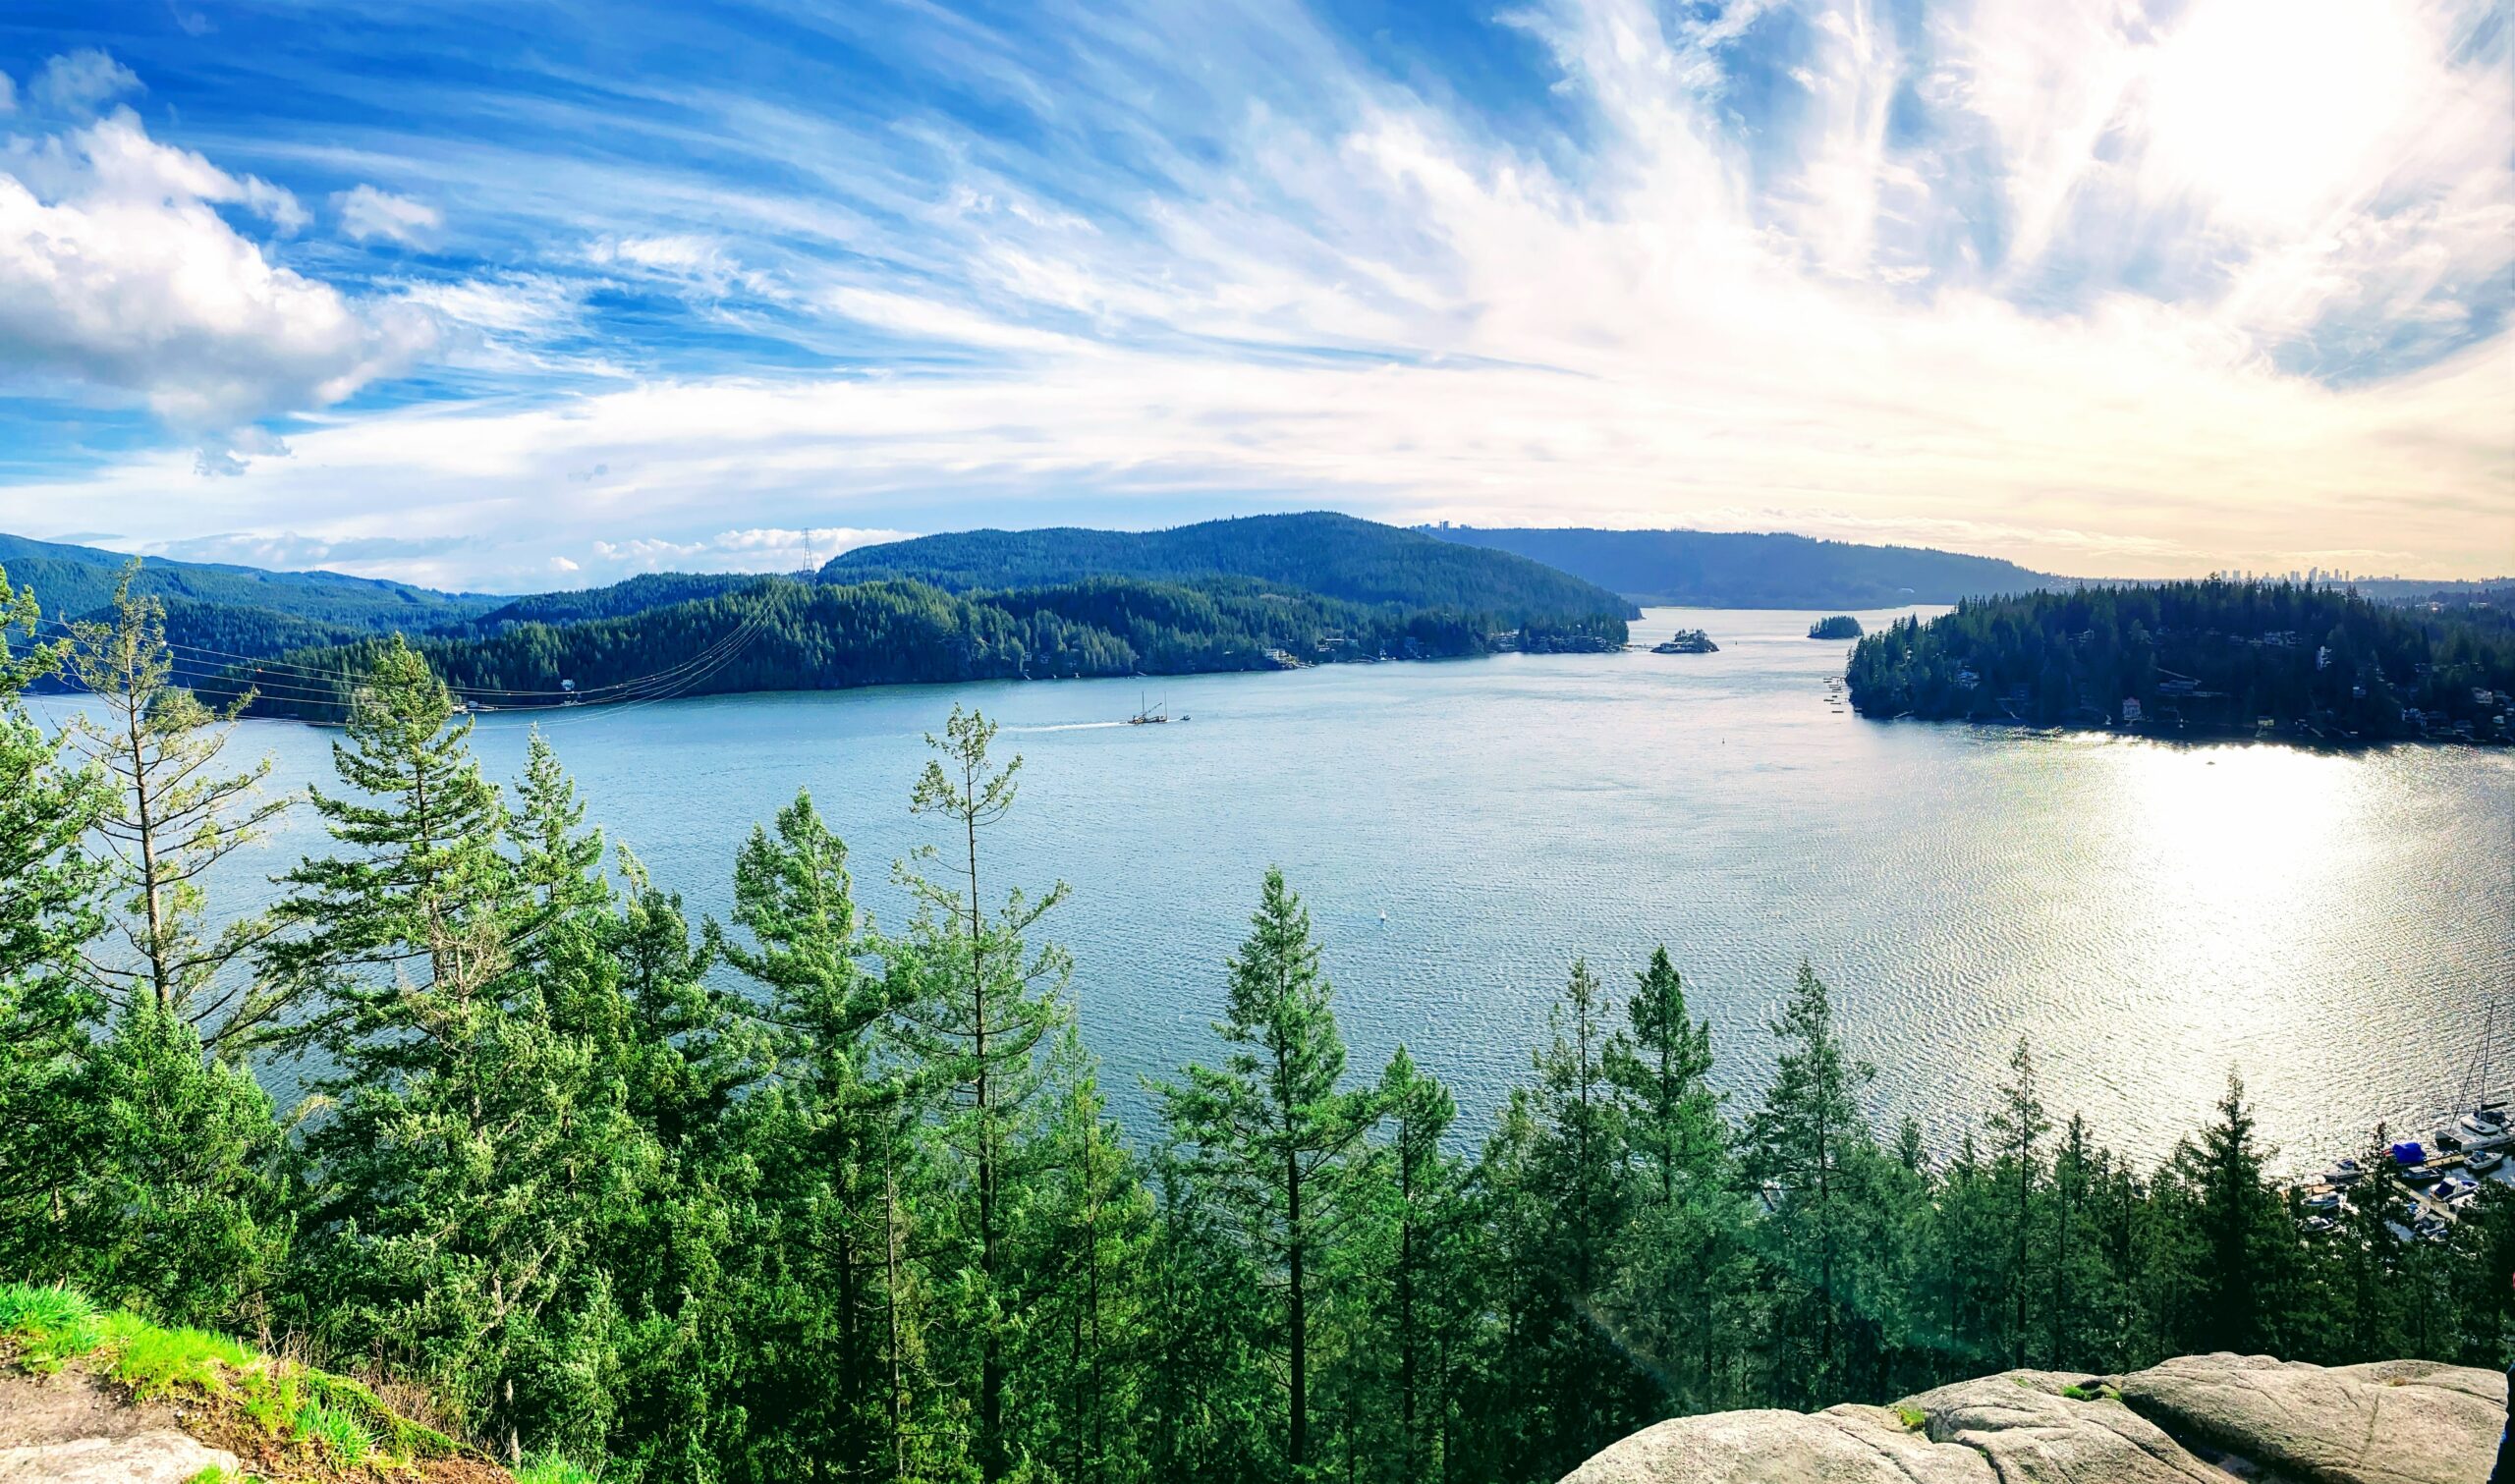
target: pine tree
<point>1671,1116</point>
<point>1679,1267</point>
<point>1428,1183</point>
<point>178,1208</point>
<point>1086,1239</point>
<point>48,911</point>
<point>1808,1142</point>
<point>1272,1128</point>
<point>460,1178</point>
<point>2239,1224</point>
<point>2019,1122</point>
<point>173,819</point>
<point>1576,1194</point>
<point>983,1008</point>
<point>829,1137</point>
<point>425,895</point>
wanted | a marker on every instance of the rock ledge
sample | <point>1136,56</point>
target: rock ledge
<point>2201,1419</point>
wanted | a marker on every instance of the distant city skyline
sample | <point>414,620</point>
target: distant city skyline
<point>503,296</point>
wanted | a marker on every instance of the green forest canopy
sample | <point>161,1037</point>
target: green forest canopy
<point>2213,656</point>
<point>1334,556</point>
<point>778,633</point>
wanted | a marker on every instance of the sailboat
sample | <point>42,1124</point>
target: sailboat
<point>1145,716</point>
<point>2486,1121</point>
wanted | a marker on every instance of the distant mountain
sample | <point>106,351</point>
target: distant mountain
<point>71,581</point>
<point>623,599</point>
<point>1320,553</point>
<point>1701,568</point>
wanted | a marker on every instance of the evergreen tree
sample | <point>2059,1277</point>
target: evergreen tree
<point>1809,1143</point>
<point>174,817</point>
<point>178,1209</point>
<point>48,911</point>
<point>2239,1226</point>
<point>1682,1266</point>
<point>1575,1193</point>
<point>1087,1237</point>
<point>1429,1269</point>
<point>460,1177</point>
<point>982,1008</point>
<point>1272,1130</point>
<point>425,895</point>
<point>831,1138</point>
<point>1671,1116</point>
<point>2018,1123</point>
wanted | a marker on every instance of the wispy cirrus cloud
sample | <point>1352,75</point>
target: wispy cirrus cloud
<point>1990,273</point>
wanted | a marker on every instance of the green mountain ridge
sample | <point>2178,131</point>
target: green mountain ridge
<point>1335,556</point>
<point>1704,569</point>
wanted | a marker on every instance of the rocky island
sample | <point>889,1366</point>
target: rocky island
<point>1687,642</point>
<point>1841,625</point>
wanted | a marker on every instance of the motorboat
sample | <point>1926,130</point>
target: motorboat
<point>2484,1160</point>
<point>2343,1173</point>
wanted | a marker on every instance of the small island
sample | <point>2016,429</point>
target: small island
<point>1841,625</point>
<point>1687,642</point>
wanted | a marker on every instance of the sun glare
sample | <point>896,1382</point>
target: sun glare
<point>2266,109</point>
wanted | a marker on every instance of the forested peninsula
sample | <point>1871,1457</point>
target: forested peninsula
<point>1255,593</point>
<point>784,633</point>
<point>2209,657</point>
<point>798,1194</point>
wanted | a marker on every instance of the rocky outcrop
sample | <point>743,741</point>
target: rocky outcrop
<point>61,1430</point>
<point>2395,1422</point>
<point>2202,1419</point>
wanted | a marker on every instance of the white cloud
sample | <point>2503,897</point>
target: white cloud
<point>117,272</point>
<point>8,93</point>
<point>562,563</point>
<point>367,213</point>
<point>80,81</point>
<point>755,549</point>
<point>1370,302</point>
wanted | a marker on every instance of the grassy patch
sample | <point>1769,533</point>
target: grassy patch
<point>555,1471</point>
<point>337,1420</point>
<point>1912,1419</point>
<point>50,1325</point>
<point>335,1432</point>
<point>154,1362</point>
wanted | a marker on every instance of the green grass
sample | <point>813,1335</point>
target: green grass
<point>552,1470</point>
<point>152,1362</point>
<point>2084,1392</point>
<point>335,1432</point>
<point>295,1404</point>
<point>51,1325</point>
<point>1912,1419</point>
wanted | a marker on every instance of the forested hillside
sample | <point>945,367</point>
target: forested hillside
<point>802,1195</point>
<point>74,580</point>
<point>1331,555</point>
<point>1704,569</point>
<point>777,634</point>
<point>2207,656</point>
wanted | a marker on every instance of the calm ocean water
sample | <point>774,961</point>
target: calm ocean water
<point>2148,915</point>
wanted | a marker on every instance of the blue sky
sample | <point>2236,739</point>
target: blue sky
<point>531,294</point>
